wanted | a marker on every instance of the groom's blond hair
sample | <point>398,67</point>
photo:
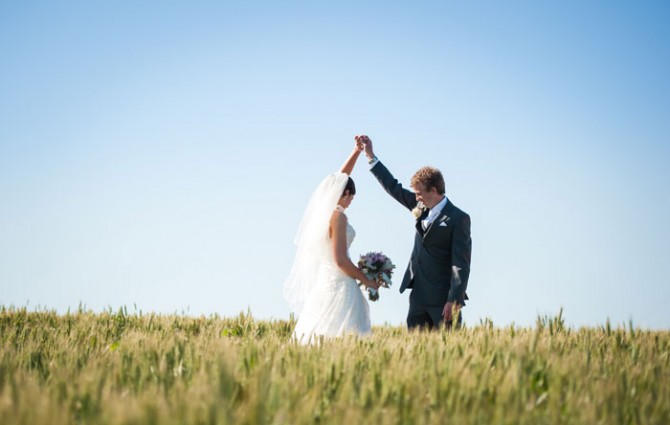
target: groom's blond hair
<point>429,177</point>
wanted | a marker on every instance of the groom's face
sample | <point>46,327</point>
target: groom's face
<point>430,198</point>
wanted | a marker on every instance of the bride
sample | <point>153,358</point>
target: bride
<point>321,287</point>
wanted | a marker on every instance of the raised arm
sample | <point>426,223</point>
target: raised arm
<point>348,165</point>
<point>390,184</point>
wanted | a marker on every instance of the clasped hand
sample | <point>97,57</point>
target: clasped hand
<point>370,283</point>
<point>363,143</point>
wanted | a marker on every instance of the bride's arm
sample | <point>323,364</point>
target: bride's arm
<point>338,225</point>
<point>348,165</point>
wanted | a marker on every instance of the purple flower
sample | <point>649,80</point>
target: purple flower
<point>379,267</point>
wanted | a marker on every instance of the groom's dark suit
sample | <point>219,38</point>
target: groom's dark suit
<point>440,265</point>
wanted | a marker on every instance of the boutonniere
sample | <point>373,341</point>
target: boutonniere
<point>418,210</point>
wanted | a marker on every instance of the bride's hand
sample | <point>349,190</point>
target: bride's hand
<point>359,146</point>
<point>367,145</point>
<point>370,283</point>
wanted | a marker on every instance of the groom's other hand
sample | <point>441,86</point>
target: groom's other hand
<point>450,309</point>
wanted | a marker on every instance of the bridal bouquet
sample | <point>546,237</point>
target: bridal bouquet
<point>379,267</point>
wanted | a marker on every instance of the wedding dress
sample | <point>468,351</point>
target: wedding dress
<point>328,302</point>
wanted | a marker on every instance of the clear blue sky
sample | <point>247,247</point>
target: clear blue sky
<point>160,154</point>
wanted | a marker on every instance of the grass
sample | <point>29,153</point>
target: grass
<point>120,368</point>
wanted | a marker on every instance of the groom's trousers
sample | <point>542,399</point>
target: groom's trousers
<point>421,315</point>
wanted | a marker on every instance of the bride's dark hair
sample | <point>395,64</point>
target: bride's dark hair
<point>350,187</point>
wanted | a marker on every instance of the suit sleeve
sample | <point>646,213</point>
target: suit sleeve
<point>460,262</point>
<point>393,187</point>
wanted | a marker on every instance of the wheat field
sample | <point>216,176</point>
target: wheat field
<point>121,368</point>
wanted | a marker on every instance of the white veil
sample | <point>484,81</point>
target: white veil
<point>313,244</point>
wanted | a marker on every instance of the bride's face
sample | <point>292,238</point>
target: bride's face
<point>345,200</point>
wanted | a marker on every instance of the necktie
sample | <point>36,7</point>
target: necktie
<point>426,222</point>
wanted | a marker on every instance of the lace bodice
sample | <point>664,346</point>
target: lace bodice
<point>351,234</point>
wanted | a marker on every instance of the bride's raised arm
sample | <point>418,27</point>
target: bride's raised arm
<point>348,165</point>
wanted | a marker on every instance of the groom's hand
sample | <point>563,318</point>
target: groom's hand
<point>450,309</point>
<point>368,145</point>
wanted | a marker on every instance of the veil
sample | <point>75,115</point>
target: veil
<point>312,242</point>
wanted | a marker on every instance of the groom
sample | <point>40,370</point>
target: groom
<point>440,265</point>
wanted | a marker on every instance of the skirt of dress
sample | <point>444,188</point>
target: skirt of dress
<point>335,307</point>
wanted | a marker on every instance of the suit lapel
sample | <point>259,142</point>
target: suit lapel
<point>441,218</point>
<point>418,225</point>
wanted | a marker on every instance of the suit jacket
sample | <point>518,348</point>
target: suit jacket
<point>439,268</point>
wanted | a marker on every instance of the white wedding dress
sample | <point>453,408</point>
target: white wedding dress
<point>327,301</point>
<point>336,306</point>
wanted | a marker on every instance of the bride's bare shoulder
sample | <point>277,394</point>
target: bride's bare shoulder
<point>338,217</point>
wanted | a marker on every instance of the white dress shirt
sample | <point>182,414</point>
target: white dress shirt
<point>433,213</point>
